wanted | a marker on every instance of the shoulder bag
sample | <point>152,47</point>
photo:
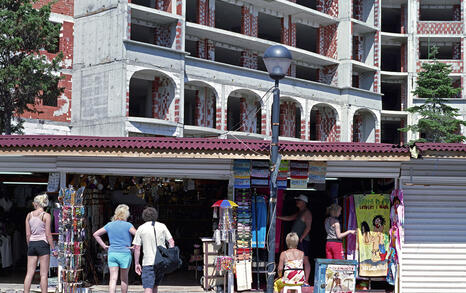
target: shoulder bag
<point>166,260</point>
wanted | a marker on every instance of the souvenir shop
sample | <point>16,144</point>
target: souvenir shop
<point>217,209</point>
<point>371,203</point>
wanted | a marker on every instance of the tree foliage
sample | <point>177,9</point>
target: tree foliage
<point>438,122</point>
<point>25,75</point>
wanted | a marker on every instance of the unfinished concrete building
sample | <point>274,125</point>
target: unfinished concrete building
<point>193,68</point>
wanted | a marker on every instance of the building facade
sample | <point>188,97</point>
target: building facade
<point>54,117</point>
<point>193,68</point>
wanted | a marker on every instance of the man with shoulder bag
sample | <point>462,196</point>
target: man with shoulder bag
<point>152,236</point>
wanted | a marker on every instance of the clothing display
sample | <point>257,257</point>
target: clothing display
<point>5,251</point>
<point>351,225</point>
<point>259,214</point>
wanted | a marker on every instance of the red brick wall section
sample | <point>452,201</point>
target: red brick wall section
<point>328,36</point>
<point>329,75</point>
<point>201,50</point>
<point>377,135</point>
<point>248,118</point>
<point>162,35</point>
<point>206,49</point>
<point>439,28</point>
<point>164,5</point>
<point>329,7</point>
<point>249,59</point>
<point>202,11</point>
<point>179,7</point>
<point>65,7</point>
<point>218,116</point>
<point>205,108</point>
<point>288,36</point>
<point>162,96</point>
<point>62,112</point>
<point>249,21</point>
<point>376,61</point>
<point>178,35</point>
<point>326,127</point>
<point>357,124</point>
<point>206,16</point>
<point>264,122</point>
<point>288,119</point>
<point>357,9</point>
<point>303,129</point>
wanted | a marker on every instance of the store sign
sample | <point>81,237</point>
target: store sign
<point>317,172</point>
<point>373,217</point>
<point>54,182</point>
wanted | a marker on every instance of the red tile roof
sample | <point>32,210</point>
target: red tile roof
<point>170,143</point>
<point>446,147</point>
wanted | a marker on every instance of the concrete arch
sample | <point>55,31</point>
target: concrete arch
<point>200,104</point>
<point>244,111</point>
<point>152,94</point>
<point>324,123</point>
<point>290,119</point>
<point>364,126</point>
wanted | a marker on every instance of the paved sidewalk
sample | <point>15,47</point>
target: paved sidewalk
<point>17,288</point>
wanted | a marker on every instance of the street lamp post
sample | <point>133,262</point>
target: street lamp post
<point>277,60</point>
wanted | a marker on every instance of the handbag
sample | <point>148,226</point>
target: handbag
<point>166,260</point>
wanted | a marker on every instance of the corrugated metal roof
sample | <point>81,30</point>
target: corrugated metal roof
<point>445,147</point>
<point>170,143</point>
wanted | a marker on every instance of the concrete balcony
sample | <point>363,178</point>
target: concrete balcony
<point>301,14</point>
<point>393,38</point>
<point>152,126</point>
<point>151,15</point>
<point>361,27</point>
<point>252,43</point>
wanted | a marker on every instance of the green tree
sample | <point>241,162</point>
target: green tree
<point>438,122</point>
<point>25,75</point>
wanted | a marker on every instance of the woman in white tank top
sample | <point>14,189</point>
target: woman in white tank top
<point>39,239</point>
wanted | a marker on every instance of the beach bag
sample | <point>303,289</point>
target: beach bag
<point>167,260</point>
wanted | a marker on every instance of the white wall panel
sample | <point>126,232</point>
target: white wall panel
<point>434,249</point>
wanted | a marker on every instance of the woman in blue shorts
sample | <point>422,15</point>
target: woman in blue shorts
<point>119,252</point>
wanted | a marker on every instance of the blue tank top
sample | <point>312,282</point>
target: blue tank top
<point>119,236</point>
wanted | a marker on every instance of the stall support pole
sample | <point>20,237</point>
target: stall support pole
<point>273,187</point>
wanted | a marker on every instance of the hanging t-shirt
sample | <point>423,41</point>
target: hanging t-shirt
<point>259,213</point>
<point>119,236</point>
<point>5,251</point>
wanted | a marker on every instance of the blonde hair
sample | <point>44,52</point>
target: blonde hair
<point>121,213</point>
<point>41,200</point>
<point>333,209</point>
<point>292,240</point>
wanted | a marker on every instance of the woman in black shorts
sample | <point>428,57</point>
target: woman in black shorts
<point>39,239</point>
